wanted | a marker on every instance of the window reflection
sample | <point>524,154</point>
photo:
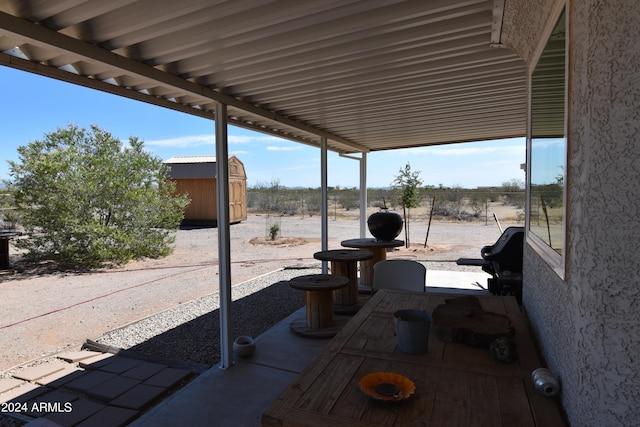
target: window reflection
<point>548,142</point>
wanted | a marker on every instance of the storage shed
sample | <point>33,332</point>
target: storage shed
<point>196,176</point>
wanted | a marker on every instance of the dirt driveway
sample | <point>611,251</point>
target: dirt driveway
<point>42,314</point>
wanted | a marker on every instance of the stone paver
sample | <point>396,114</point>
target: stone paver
<point>7,384</point>
<point>112,388</point>
<point>97,359</point>
<point>49,401</point>
<point>42,422</point>
<point>168,378</point>
<point>36,372</point>
<point>89,381</point>
<point>77,356</point>
<point>23,393</point>
<point>139,397</point>
<point>62,377</point>
<point>110,416</point>
<point>116,364</point>
<point>81,410</point>
<point>144,371</point>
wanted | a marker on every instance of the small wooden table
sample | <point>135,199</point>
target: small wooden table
<point>319,320</point>
<point>379,250</point>
<point>344,262</point>
<point>456,384</point>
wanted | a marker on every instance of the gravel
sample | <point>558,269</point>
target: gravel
<point>190,331</point>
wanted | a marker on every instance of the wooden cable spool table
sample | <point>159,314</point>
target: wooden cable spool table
<point>344,262</point>
<point>379,250</point>
<point>319,322</point>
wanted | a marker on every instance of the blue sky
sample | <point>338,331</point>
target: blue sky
<point>33,105</point>
<point>548,160</point>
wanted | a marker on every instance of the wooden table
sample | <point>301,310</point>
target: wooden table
<point>379,250</point>
<point>344,262</point>
<point>319,319</point>
<point>456,385</point>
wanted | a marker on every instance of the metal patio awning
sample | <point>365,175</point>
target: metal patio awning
<point>367,75</point>
<point>344,75</point>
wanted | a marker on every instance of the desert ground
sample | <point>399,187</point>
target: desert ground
<point>44,311</point>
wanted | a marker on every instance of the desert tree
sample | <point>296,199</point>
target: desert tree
<point>9,218</point>
<point>87,199</point>
<point>349,198</point>
<point>268,195</point>
<point>407,182</point>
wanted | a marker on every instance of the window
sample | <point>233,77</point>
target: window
<point>548,150</point>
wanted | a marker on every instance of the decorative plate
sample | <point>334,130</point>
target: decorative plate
<point>387,386</point>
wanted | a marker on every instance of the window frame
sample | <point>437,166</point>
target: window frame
<point>555,260</point>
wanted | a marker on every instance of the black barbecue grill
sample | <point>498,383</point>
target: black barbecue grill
<point>503,261</point>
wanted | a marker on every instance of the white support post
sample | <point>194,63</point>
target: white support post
<point>363,196</point>
<point>363,191</point>
<point>325,202</point>
<point>224,247</point>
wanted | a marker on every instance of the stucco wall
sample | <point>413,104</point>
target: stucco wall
<point>604,268</point>
<point>523,21</point>
<point>589,327</point>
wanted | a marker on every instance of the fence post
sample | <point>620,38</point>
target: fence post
<point>486,209</point>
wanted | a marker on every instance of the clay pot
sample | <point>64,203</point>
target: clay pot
<point>244,346</point>
<point>385,225</point>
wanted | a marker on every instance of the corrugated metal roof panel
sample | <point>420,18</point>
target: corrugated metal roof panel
<point>366,74</point>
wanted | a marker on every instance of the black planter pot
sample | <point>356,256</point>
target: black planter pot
<point>384,225</point>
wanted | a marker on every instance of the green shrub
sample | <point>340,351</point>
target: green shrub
<point>273,231</point>
<point>86,199</point>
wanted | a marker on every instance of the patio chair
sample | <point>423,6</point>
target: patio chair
<point>400,274</point>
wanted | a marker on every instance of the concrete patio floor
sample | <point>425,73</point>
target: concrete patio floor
<point>238,396</point>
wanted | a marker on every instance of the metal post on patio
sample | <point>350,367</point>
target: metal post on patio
<point>224,247</point>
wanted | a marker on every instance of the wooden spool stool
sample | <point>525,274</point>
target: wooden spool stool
<point>319,320</point>
<point>379,250</point>
<point>344,262</point>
